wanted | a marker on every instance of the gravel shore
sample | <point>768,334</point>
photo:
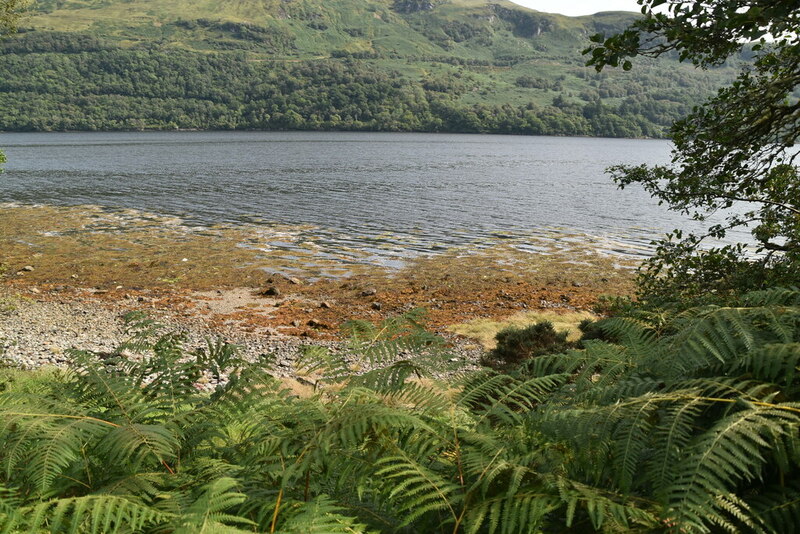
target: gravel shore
<point>37,332</point>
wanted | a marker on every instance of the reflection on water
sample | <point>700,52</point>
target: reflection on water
<point>350,197</point>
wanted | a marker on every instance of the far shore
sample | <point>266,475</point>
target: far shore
<point>365,132</point>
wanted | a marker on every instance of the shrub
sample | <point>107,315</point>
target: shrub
<point>515,345</point>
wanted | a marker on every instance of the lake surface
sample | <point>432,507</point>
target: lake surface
<point>392,195</point>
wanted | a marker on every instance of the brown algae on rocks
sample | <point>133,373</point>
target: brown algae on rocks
<point>118,253</point>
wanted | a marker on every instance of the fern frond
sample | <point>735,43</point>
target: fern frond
<point>520,512</point>
<point>320,516</point>
<point>354,420</point>
<point>384,342</point>
<point>733,450</point>
<point>47,445</point>
<point>138,487</point>
<point>672,436</point>
<point>628,331</point>
<point>630,438</point>
<point>777,507</point>
<point>132,444</point>
<point>142,329</point>
<point>506,397</point>
<point>10,517</point>
<point>211,510</point>
<point>778,363</point>
<point>417,489</point>
<point>602,507</point>
<point>423,401</point>
<point>776,296</point>
<point>93,514</point>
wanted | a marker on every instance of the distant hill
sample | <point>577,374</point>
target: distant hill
<point>396,65</point>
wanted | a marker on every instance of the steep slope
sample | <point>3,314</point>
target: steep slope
<point>457,65</point>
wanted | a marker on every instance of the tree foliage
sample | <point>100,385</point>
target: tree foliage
<point>70,82</point>
<point>735,155</point>
<point>10,13</point>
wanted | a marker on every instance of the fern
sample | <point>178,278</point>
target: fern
<point>320,516</point>
<point>376,356</point>
<point>777,296</point>
<point>417,489</point>
<point>730,452</point>
<point>10,516</point>
<point>777,507</point>
<point>686,422</point>
<point>93,515</point>
<point>209,510</point>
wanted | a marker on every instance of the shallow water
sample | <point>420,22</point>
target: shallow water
<point>373,198</point>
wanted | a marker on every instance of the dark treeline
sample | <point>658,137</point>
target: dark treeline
<point>54,81</point>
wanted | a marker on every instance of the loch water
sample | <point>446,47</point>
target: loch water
<point>394,195</point>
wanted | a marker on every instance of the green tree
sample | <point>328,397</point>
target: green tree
<point>735,154</point>
<point>10,13</point>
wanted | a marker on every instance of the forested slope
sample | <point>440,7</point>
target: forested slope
<point>461,66</point>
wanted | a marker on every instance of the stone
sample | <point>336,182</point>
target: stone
<point>369,292</point>
<point>313,323</point>
<point>377,306</point>
<point>325,304</point>
<point>271,292</point>
<point>27,268</point>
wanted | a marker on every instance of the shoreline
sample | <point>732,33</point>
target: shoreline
<point>39,323</point>
<point>39,329</point>
<point>211,130</point>
<point>67,275</point>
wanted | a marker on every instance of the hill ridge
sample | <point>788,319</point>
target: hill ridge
<point>457,65</point>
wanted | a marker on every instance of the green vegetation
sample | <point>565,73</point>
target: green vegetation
<point>679,418</point>
<point>10,13</point>
<point>680,425</point>
<point>459,66</point>
<point>736,153</point>
<point>515,345</point>
<point>485,331</point>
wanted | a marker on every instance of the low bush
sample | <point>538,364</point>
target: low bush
<point>514,345</point>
